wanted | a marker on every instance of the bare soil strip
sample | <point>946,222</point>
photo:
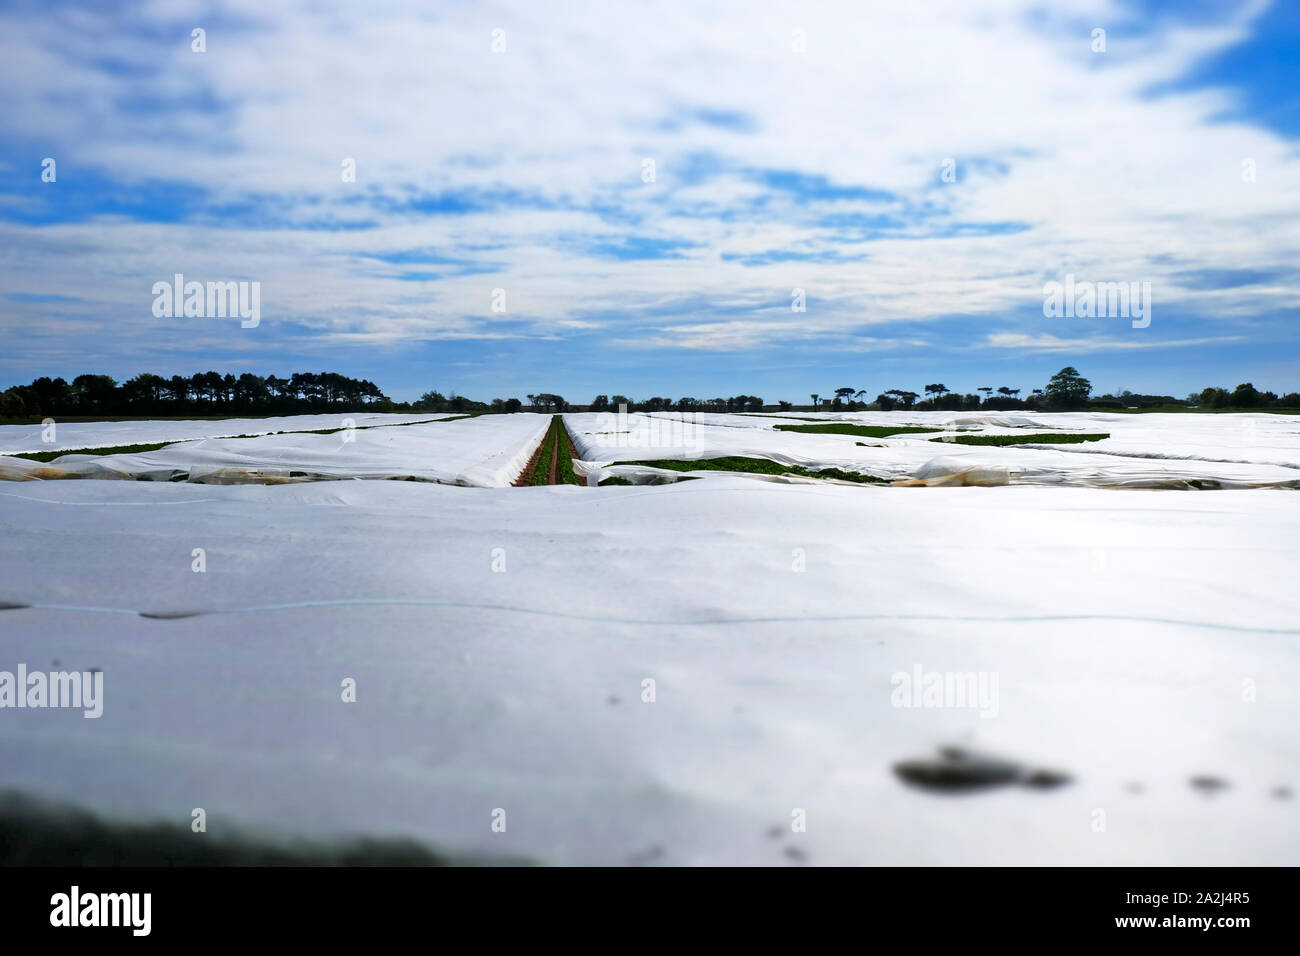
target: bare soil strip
<point>526,476</point>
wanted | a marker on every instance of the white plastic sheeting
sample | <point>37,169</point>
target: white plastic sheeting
<point>501,643</point>
<point>487,451</point>
<point>69,435</point>
<point>1148,450</point>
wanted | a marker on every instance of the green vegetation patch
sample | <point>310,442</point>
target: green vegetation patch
<point>864,431</point>
<point>1048,438</point>
<point>111,450</point>
<point>755,466</point>
<point>556,448</point>
<point>564,467</point>
<point>542,473</point>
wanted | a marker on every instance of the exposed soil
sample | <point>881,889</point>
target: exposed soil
<point>526,476</point>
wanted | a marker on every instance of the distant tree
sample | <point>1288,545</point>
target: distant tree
<point>617,400</point>
<point>546,401</point>
<point>902,397</point>
<point>144,391</point>
<point>93,393</point>
<point>433,401</point>
<point>213,383</point>
<point>600,403</point>
<point>50,395</point>
<point>814,397</point>
<point>1245,396</point>
<point>12,403</point>
<point>1068,389</point>
<point>1213,398</point>
<point>251,391</point>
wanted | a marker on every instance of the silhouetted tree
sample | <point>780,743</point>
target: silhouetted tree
<point>1068,389</point>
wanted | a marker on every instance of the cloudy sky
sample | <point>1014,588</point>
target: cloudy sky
<point>505,146</point>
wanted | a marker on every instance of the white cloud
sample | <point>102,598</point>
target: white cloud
<point>1111,183</point>
<point>1050,343</point>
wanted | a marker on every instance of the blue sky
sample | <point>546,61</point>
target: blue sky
<point>791,148</point>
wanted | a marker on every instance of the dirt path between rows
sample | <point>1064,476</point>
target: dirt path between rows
<point>560,448</point>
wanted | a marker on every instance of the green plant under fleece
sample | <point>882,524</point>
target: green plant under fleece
<point>865,431</point>
<point>1048,438</point>
<point>755,466</point>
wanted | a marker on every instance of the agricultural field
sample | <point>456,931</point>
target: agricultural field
<point>1083,449</point>
<point>69,436</point>
<point>541,614</point>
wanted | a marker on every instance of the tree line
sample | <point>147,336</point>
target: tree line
<point>1066,390</point>
<point>247,394</point>
<point>737,403</point>
<point>550,402</point>
<point>1243,396</point>
<point>202,392</point>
